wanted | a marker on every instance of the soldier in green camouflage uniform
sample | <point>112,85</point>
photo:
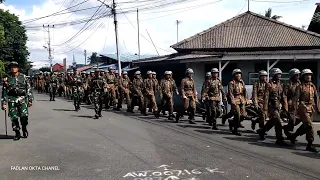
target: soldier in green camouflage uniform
<point>97,87</point>
<point>53,84</point>
<point>17,95</point>
<point>76,89</point>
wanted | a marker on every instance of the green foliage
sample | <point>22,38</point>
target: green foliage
<point>2,69</point>
<point>45,69</point>
<point>268,14</point>
<point>14,45</point>
<point>2,39</point>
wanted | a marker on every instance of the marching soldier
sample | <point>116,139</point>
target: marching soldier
<point>97,88</point>
<point>86,88</point>
<point>111,89</point>
<point>77,90</point>
<point>258,93</point>
<point>273,99</point>
<point>149,94</point>
<point>17,97</point>
<point>204,96</point>
<point>305,97</point>
<point>289,93</point>
<point>166,89</point>
<point>155,80</point>
<point>41,82</point>
<point>124,88</point>
<point>238,99</point>
<point>137,88</point>
<point>53,84</point>
<point>211,95</point>
<point>116,87</point>
<point>189,96</point>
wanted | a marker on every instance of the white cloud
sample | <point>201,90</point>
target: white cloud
<point>195,17</point>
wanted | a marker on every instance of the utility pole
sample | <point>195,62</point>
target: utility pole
<point>49,44</point>
<point>178,22</point>
<point>248,5</point>
<point>85,57</point>
<point>138,32</point>
<point>113,10</point>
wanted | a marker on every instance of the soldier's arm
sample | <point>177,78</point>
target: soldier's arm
<point>4,94</point>
<point>161,87</point>
<point>266,97</point>
<point>195,90</point>
<point>175,88</point>
<point>182,89</point>
<point>29,91</point>
<point>285,96</point>
<point>204,91</point>
<point>230,89</point>
<point>255,94</point>
<point>221,90</point>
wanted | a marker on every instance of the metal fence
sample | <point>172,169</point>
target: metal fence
<point>255,76</point>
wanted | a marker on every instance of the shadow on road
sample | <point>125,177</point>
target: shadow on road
<point>42,100</point>
<point>221,131</point>
<point>5,137</point>
<point>83,116</point>
<point>63,109</point>
<point>273,145</point>
<point>308,154</point>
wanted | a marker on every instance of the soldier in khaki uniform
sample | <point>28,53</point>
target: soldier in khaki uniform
<point>116,85</point>
<point>306,96</point>
<point>124,91</point>
<point>111,88</point>
<point>238,99</point>
<point>166,89</point>
<point>157,89</point>
<point>41,83</point>
<point>211,95</point>
<point>189,96</point>
<point>149,94</point>
<point>272,105</point>
<point>136,89</point>
<point>204,96</point>
<point>258,92</point>
<point>289,94</point>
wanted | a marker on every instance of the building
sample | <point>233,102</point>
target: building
<point>248,41</point>
<point>58,67</point>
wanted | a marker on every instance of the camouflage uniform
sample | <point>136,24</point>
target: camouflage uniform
<point>149,93</point>
<point>156,82</point>
<point>211,96</point>
<point>258,94</point>
<point>53,84</point>
<point>116,86</point>
<point>306,96</point>
<point>238,99</point>
<point>97,88</point>
<point>110,98</point>
<point>137,88</point>
<point>289,94</point>
<point>41,83</point>
<point>189,96</point>
<point>124,91</point>
<point>17,94</point>
<point>166,89</point>
<point>77,91</point>
<point>272,105</point>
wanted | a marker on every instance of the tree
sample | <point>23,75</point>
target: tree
<point>2,39</point>
<point>45,69</point>
<point>93,58</point>
<point>2,68</point>
<point>268,14</point>
<point>14,46</point>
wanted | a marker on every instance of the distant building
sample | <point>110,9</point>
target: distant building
<point>58,67</point>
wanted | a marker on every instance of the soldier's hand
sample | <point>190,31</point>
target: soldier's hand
<point>4,107</point>
<point>29,104</point>
<point>184,97</point>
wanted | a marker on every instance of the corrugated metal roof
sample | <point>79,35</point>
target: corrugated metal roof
<point>250,30</point>
<point>127,57</point>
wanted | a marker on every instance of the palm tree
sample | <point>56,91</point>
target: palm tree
<point>269,15</point>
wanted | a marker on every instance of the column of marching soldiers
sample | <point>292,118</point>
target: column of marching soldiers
<point>271,100</point>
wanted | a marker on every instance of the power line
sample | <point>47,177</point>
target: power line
<point>105,40</point>
<point>59,10</point>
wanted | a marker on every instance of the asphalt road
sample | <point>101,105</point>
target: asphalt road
<point>64,144</point>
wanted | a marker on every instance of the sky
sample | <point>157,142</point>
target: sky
<point>157,24</point>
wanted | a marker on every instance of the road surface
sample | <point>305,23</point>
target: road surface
<point>64,144</point>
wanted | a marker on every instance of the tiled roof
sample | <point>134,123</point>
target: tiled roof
<point>250,30</point>
<point>127,57</point>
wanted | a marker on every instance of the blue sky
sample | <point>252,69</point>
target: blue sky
<point>160,24</point>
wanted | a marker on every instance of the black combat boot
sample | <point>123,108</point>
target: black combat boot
<point>236,131</point>
<point>177,118</point>
<point>253,124</point>
<point>261,133</point>
<point>157,114</point>
<point>224,119</point>
<point>170,117</point>
<point>150,110</point>
<point>280,142</point>
<point>17,136</point>
<point>311,147</point>
<point>96,116</point>
<point>214,125</point>
<point>24,123</point>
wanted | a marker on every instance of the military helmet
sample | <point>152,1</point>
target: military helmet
<point>154,73</point>
<point>294,71</point>
<point>116,72</point>
<point>149,72</point>
<point>263,73</point>
<point>13,63</point>
<point>167,73</point>
<point>214,70</point>
<point>189,71</point>
<point>170,72</point>
<point>137,73</point>
<point>111,68</point>
<point>88,72</point>
<point>236,71</point>
<point>306,71</point>
<point>275,71</point>
<point>124,72</point>
<point>208,74</point>
<point>97,70</point>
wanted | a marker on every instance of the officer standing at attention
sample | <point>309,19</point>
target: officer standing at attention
<point>272,103</point>
<point>306,96</point>
<point>97,88</point>
<point>189,96</point>
<point>17,97</point>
